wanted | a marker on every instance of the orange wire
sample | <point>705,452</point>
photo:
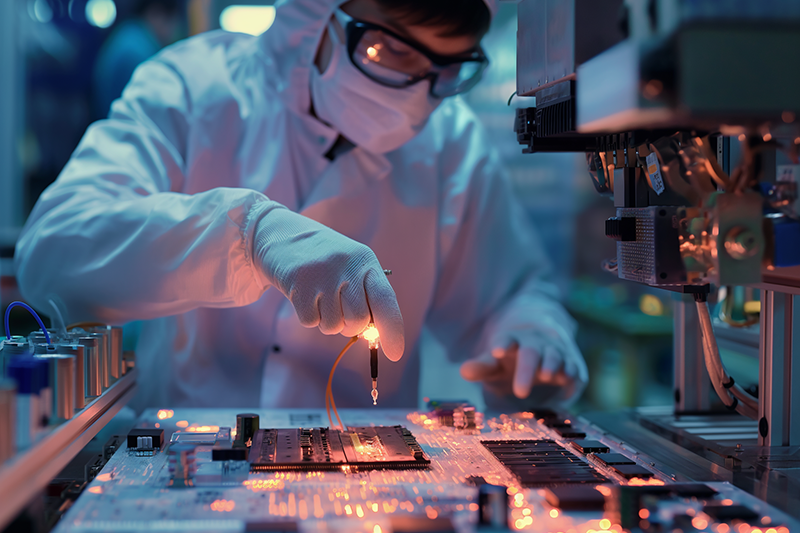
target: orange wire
<point>329,389</point>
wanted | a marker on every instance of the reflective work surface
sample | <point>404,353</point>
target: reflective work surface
<point>555,474</point>
<point>710,448</point>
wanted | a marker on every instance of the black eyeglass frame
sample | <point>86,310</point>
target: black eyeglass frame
<point>355,29</point>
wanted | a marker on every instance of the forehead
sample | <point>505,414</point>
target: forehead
<point>429,37</point>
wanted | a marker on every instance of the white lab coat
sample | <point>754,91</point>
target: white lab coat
<point>149,221</point>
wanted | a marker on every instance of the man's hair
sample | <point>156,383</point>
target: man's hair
<point>455,18</point>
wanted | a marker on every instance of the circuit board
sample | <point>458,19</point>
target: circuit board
<point>358,448</point>
<point>600,484</point>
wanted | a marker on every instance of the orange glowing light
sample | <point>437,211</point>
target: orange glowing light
<point>787,116</point>
<point>767,137</point>
<point>699,523</point>
<point>431,512</point>
<point>727,501</point>
<point>639,482</point>
<point>766,520</point>
<point>742,137</point>
<point>473,507</point>
<point>371,335</point>
<point>519,524</point>
<point>104,477</point>
<point>526,415</point>
<point>553,513</point>
<point>602,489</point>
<point>259,485</point>
<point>374,507</point>
<point>723,528</point>
<point>377,529</point>
<point>605,523</point>
<point>182,423</point>
<point>771,530</point>
<point>755,530</point>
<point>348,510</point>
<point>96,490</point>
<point>512,490</point>
<point>644,514</point>
<point>163,414</point>
<point>744,528</point>
<point>526,512</point>
<point>203,429</point>
<point>359,511</point>
<point>223,506</point>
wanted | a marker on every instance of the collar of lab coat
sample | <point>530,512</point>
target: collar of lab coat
<point>289,46</point>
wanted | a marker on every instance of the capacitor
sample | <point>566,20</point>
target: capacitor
<point>62,380</point>
<point>182,465</point>
<point>22,371</point>
<point>246,427</point>
<point>38,336</point>
<point>79,352</point>
<point>94,383</point>
<point>8,414</point>
<point>102,347</point>
<point>113,336</point>
<point>493,507</point>
<point>16,345</point>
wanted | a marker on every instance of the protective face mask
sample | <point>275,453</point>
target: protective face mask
<point>375,117</point>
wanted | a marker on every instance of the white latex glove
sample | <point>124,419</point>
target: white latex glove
<point>524,364</point>
<point>333,282</point>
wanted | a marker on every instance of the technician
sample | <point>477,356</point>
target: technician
<point>306,160</point>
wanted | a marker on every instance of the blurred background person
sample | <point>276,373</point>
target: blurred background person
<point>153,25</point>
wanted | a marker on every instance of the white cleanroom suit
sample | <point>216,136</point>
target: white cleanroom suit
<point>152,219</point>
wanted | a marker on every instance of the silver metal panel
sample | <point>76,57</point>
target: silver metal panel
<point>560,48</point>
<point>607,92</point>
<point>690,376</point>
<point>531,45</point>
<point>779,387</point>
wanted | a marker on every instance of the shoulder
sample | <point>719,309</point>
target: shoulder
<point>456,139</point>
<point>198,74</point>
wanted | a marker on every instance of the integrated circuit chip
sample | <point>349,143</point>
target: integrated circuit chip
<point>358,448</point>
<point>542,463</point>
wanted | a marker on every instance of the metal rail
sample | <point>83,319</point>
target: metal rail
<point>30,471</point>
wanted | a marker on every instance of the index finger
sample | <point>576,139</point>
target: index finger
<point>386,314</point>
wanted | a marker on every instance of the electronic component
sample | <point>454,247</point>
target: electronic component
<point>246,427</point>
<point>145,441</point>
<point>632,471</point>
<point>566,431</point>
<point>361,448</point>
<point>182,465</point>
<point>589,446</point>
<point>575,498</point>
<point>541,463</point>
<point>609,459</point>
<point>457,414</point>
<point>372,336</point>
<point>493,506</point>
<point>726,513</point>
<point>229,454</point>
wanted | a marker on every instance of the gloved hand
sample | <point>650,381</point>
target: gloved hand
<point>536,370</point>
<point>332,281</point>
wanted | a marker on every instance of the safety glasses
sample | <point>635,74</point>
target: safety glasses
<point>391,60</point>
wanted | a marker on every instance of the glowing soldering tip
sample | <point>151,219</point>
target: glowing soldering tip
<point>374,392</point>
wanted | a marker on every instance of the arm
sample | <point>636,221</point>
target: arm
<point>493,289</point>
<point>113,240</point>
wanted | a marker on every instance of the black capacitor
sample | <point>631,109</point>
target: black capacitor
<point>493,507</point>
<point>246,427</point>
